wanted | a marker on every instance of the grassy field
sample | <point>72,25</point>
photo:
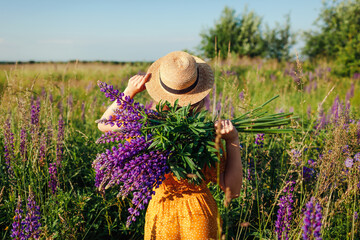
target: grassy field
<point>48,143</point>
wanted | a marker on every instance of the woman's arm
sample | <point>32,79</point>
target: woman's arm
<point>136,85</point>
<point>231,179</point>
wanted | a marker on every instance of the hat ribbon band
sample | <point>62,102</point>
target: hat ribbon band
<point>181,91</point>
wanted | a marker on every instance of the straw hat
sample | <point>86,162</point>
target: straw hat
<point>179,75</point>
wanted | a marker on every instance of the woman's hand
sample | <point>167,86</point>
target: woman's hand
<point>227,130</point>
<point>136,84</point>
<point>231,179</point>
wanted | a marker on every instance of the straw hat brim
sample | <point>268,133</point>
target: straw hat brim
<point>201,90</point>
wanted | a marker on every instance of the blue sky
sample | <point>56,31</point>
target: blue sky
<point>135,30</point>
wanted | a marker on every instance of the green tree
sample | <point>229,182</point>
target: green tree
<point>242,35</point>
<point>250,41</point>
<point>348,59</point>
<point>224,33</point>
<point>337,38</point>
<point>278,41</point>
<point>235,34</point>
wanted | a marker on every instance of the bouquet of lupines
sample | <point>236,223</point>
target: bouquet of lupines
<point>149,144</point>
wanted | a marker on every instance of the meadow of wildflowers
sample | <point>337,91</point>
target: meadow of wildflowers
<point>296,186</point>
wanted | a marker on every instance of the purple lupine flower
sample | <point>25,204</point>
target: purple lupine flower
<point>315,86</point>
<point>128,163</point>
<point>17,226</point>
<point>60,107</point>
<point>358,131</point>
<point>60,141</point>
<point>289,70</point>
<point>311,76</point>
<point>335,108</point>
<point>94,102</point>
<point>308,219</point>
<point>312,221</point>
<point>241,96</point>
<point>318,72</point>
<point>229,73</point>
<point>317,225</point>
<point>296,79</point>
<point>349,162</point>
<point>279,224</point>
<point>127,116</point>
<point>283,221</point>
<point>43,93</point>
<point>141,73</point>
<point>308,173</point>
<point>53,183</point>
<point>347,111</point>
<point>89,87</point>
<point>149,105</point>
<point>83,111</point>
<point>51,98</point>
<point>338,109</point>
<point>110,92</point>
<point>148,177</point>
<point>296,155</point>
<point>312,162</point>
<point>356,76</point>
<point>356,215</point>
<point>250,169</point>
<point>207,103</point>
<point>322,120</point>
<point>35,114</point>
<point>259,140</point>
<point>231,110</point>
<point>31,222</point>
<point>218,106</point>
<point>138,171</point>
<point>115,159</point>
<point>23,140</point>
<point>357,157</point>
<point>8,145</point>
<point>118,135</point>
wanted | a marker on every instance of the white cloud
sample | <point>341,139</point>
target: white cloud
<point>2,40</point>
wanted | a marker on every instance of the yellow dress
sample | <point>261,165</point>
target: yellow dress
<point>180,210</point>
